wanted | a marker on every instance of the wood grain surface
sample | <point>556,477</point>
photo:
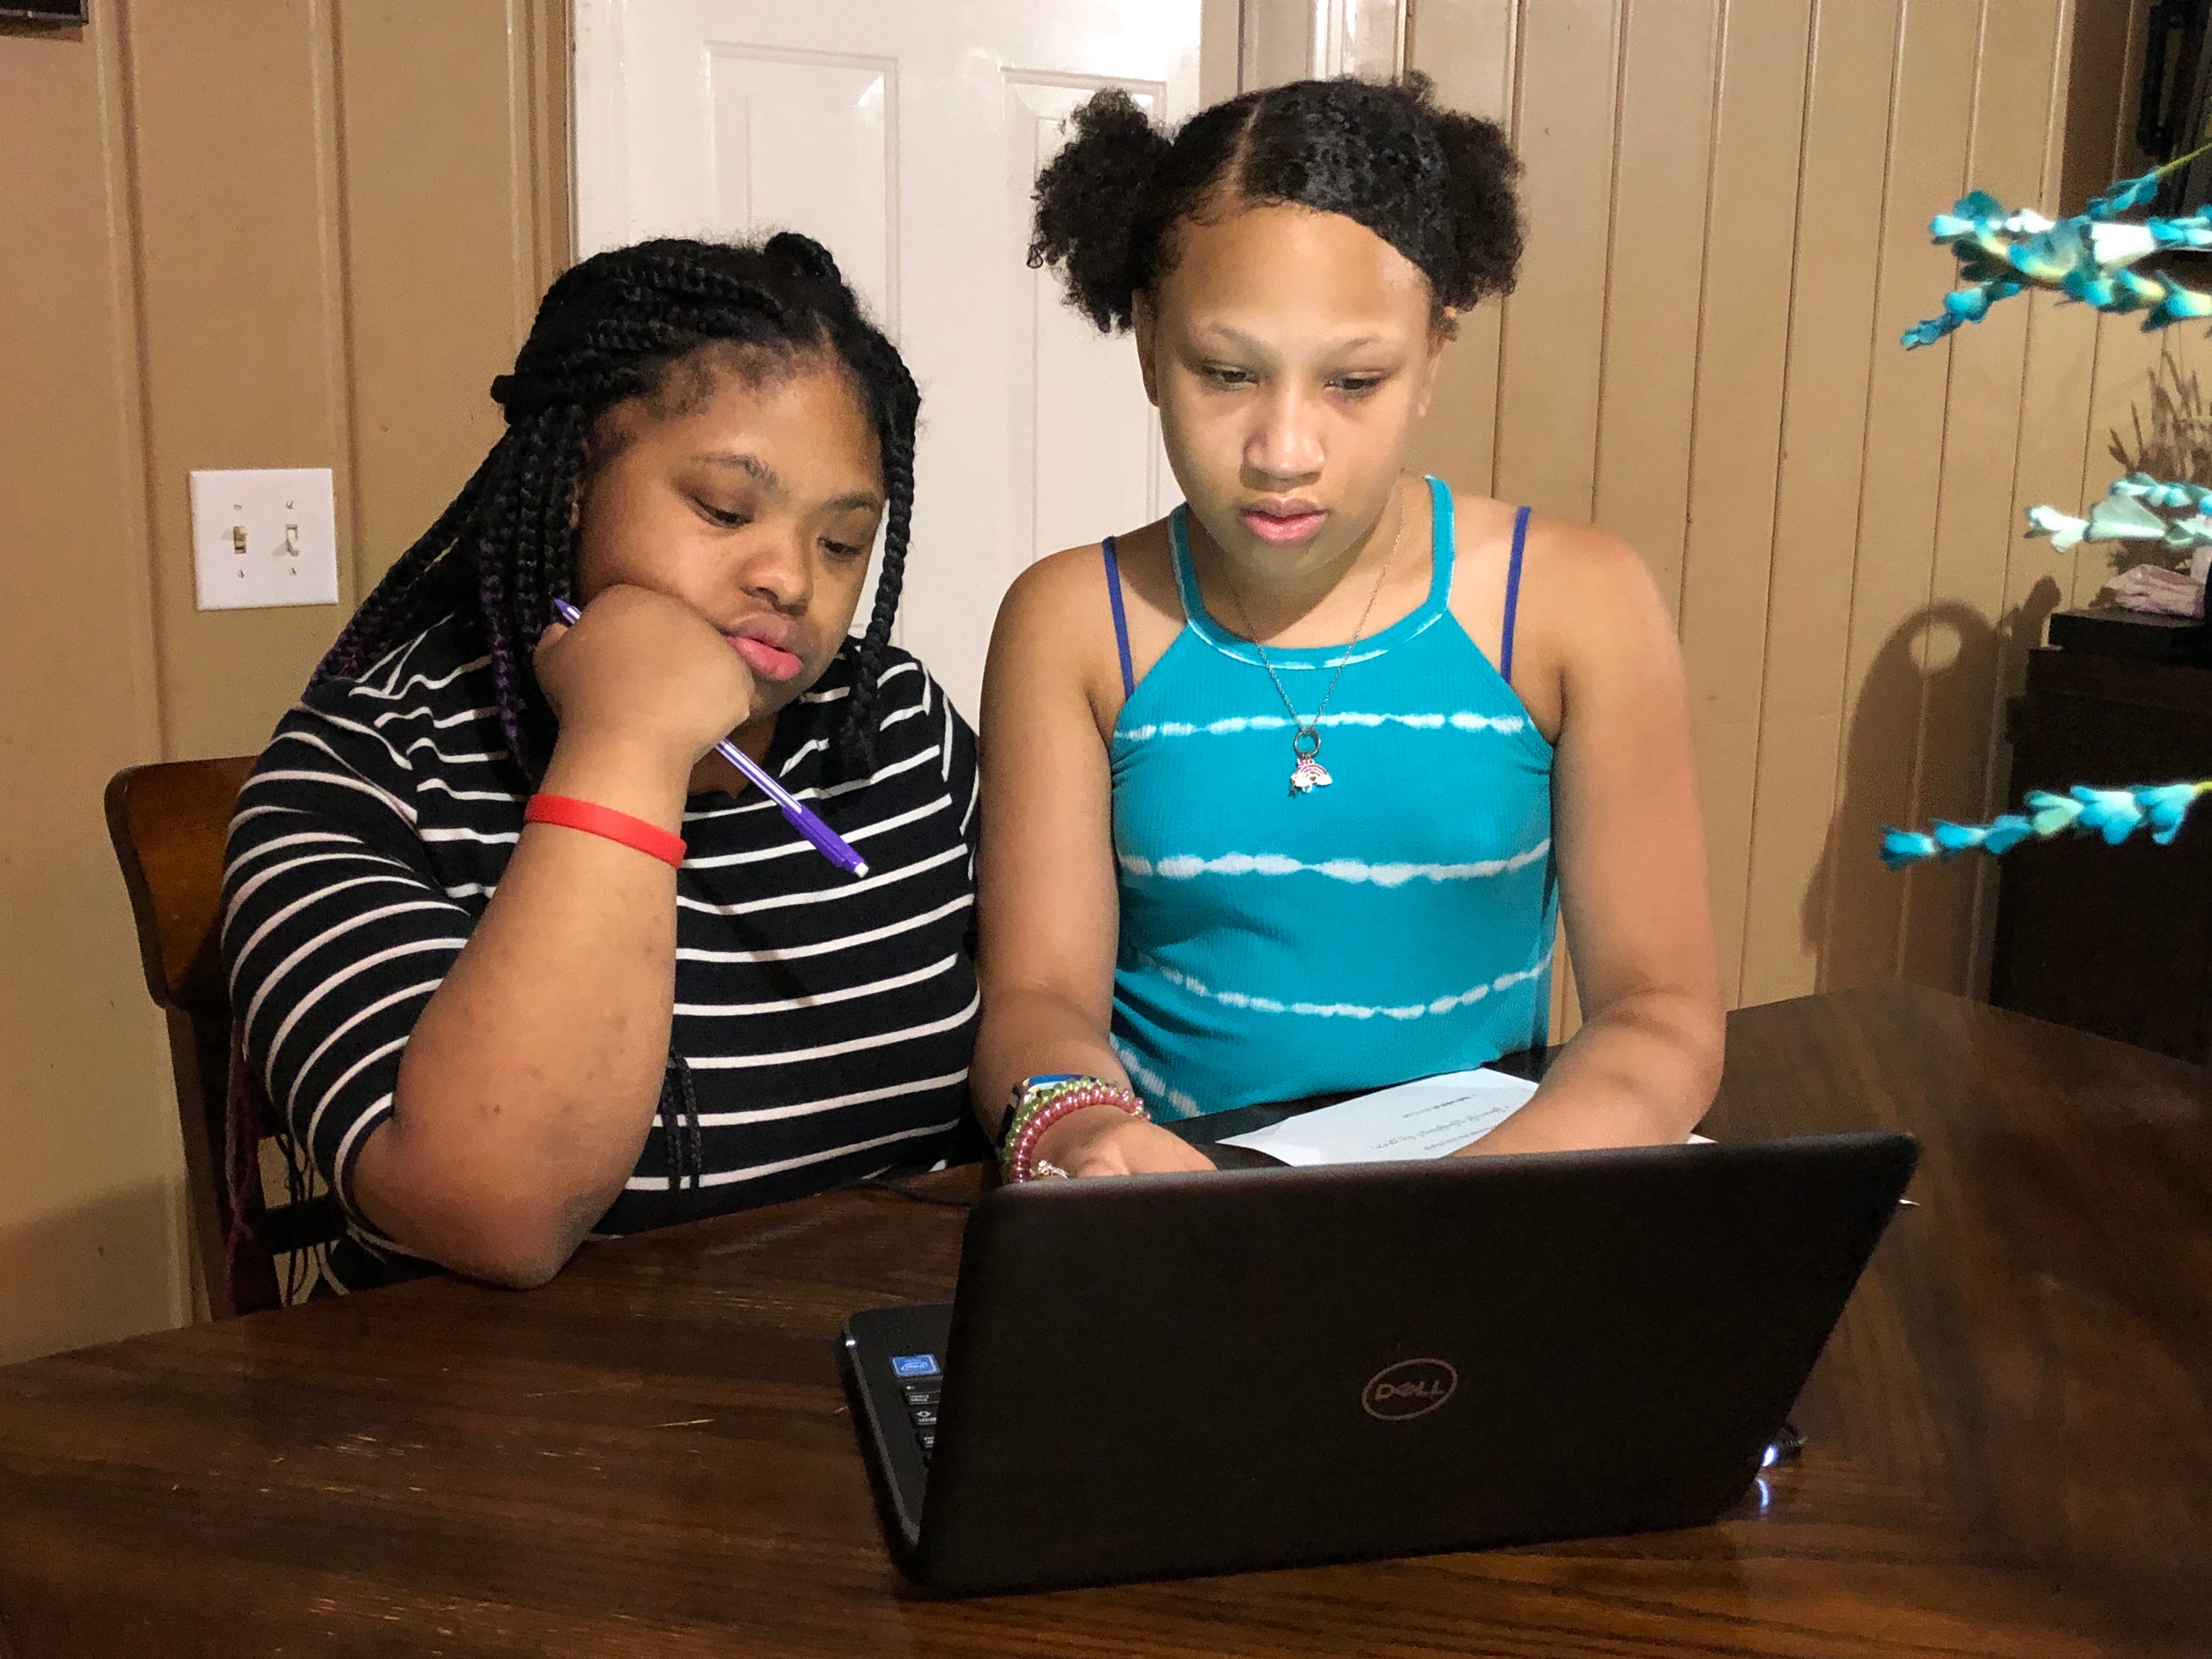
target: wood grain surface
<point>2010,1442</point>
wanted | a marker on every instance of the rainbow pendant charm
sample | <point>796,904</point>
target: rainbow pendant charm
<point>1309,774</point>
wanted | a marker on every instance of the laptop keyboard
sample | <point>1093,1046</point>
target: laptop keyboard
<point>918,1379</point>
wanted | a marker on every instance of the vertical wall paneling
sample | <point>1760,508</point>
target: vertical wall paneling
<point>91,1180</point>
<point>1728,204</point>
<point>1276,40</point>
<point>241,327</point>
<point>1662,167</point>
<point>333,247</point>
<point>1220,52</point>
<point>2049,467</point>
<point>438,179</point>
<point>1551,350</point>
<point>1469,48</point>
<point>1832,345</point>
<point>1899,489</point>
<point>271,232</point>
<point>1736,427</point>
<point>1549,358</point>
<point>1975,528</point>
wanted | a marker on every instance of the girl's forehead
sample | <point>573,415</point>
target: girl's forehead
<point>1299,266</point>
<point>804,428</point>
<point>810,397</point>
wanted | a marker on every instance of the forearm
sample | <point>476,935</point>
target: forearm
<point>1027,1030</point>
<point>529,1085</point>
<point>1641,1071</point>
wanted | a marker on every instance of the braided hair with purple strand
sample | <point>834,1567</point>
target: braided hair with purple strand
<point>635,322</point>
<point>623,325</point>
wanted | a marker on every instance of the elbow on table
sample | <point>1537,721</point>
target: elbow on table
<point>516,1230</point>
<point>519,1243</point>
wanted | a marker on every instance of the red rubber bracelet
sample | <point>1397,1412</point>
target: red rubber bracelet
<point>605,822</point>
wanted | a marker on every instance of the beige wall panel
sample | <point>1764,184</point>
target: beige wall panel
<point>90,1182</point>
<point>2103,70</point>
<point>190,299</point>
<point>1785,893</point>
<point>1900,489</point>
<point>1975,528</point>
<point>1218,45</point>
<point>243,335</point>
<point>1816,521</point>
<point>1737,424</point>
<point>1468,47</point>
<point>1548,367</point>
<point>1663,166</point>
<point>541,107</point>
<point>438,187</point>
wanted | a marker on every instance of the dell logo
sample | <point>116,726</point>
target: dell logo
<point>1412,1388</point>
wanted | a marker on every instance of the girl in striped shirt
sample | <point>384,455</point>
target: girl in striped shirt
<point>1288,788</point>
<point>496,1035</point>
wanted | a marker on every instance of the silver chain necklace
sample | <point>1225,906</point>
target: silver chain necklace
<point>1308,774</point>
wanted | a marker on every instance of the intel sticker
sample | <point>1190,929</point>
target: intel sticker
<point>913,1364</point>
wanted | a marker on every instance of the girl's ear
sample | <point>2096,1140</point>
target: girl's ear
<point>1144,324</point>
<point>1439,338</point>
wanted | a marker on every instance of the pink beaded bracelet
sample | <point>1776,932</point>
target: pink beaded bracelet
<point>1021,1151</point>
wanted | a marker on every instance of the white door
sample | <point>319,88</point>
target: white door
<point>906,135</point>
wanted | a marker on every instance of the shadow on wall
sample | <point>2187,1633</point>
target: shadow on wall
<point>54,1267</point>
<point>1945,657</point>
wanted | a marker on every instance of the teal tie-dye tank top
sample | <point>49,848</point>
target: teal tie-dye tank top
<point>1394,924</point>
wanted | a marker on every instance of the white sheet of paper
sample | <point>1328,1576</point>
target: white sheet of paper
<point>1427,1119</point>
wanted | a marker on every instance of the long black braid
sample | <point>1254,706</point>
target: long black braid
<point>622,324</point>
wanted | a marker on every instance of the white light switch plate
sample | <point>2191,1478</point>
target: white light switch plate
<point>265,537</point>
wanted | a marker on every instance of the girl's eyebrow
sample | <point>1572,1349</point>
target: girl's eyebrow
<point>751,465</point>
<point>857,500</point>
<point>1237,337</point>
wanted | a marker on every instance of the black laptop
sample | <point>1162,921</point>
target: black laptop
<point>1164,1374</point>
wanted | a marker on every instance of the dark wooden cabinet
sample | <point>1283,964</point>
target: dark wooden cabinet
<point>2116,940</point>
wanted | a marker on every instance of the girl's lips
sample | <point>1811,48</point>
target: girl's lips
<point>1280,528</point>
<point>770,662</point>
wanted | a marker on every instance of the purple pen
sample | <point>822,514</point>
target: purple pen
<point>831,844</point>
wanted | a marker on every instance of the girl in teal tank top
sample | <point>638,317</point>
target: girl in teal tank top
<point>1428,856</point>
<point>1287,793</point>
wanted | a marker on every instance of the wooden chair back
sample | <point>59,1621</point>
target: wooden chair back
<point>170,824</point>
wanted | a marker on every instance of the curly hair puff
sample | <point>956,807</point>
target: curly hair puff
<point>1435,185</point>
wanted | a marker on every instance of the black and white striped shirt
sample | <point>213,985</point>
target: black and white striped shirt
<point>827,1022</point>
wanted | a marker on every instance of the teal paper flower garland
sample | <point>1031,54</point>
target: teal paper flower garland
<point>2130,513</point>
<point>2114,814</point>
<point>2086,258</point>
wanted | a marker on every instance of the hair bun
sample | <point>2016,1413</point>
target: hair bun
<point>804,256</point>
<point>1480,173</point>
<point>1089,198</point>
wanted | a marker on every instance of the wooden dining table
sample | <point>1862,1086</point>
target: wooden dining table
<point>2008,1439</point>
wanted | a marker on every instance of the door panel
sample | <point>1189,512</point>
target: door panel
<point>907,138</point>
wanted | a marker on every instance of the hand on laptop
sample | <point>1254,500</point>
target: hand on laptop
<point>1103,1140</point>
